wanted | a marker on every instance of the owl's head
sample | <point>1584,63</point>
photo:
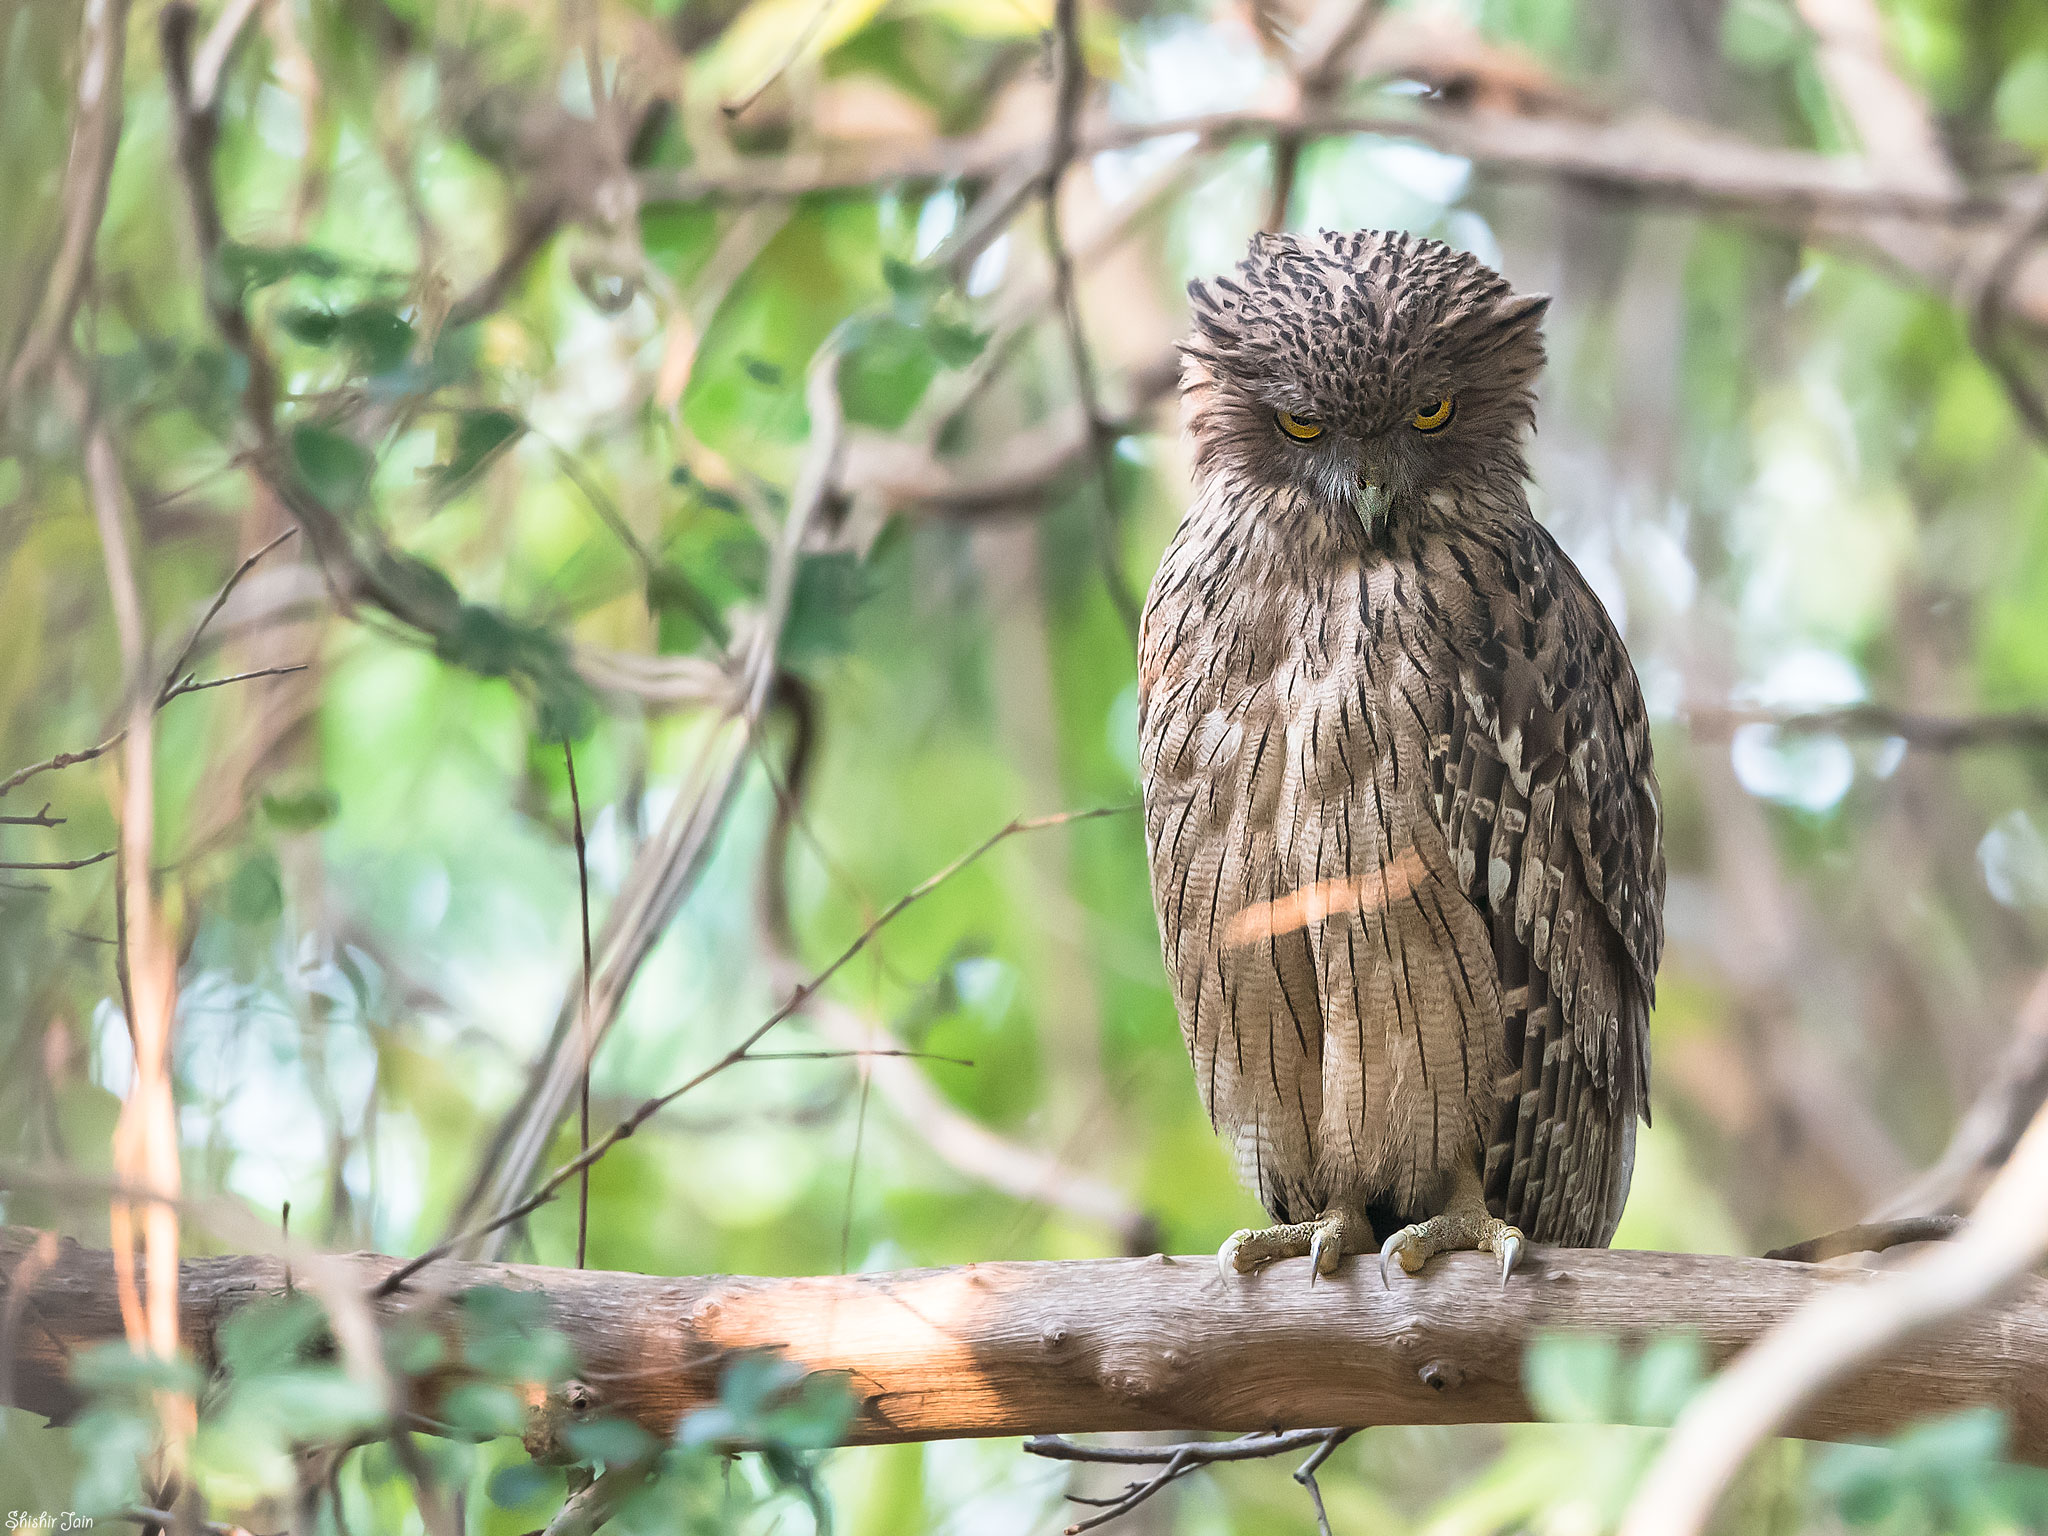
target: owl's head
<point>1368,369</point>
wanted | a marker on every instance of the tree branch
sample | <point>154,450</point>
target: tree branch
<point>1834,1335</point>
<point>1930,733</point>
<point>1115,1344</point>
<point>95,136</point>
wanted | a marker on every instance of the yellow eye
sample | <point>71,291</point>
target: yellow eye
<point>1436,418</point>
<point>1301,430</point>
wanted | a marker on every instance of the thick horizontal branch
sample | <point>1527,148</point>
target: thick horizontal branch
<point>1119,1344</point>
<point>1834,199</point>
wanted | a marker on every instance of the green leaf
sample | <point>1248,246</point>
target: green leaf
<point>913,282</point>
<point>1667,1374</point>
<point>479,435</point>
<point>414,1349</point>
<point>335,468</point>
<point>506,1335</point>
<point>380,340</point>
<point>484,1408</point>
<point>615,1442</point>
<point>955,344</point>
<point>1574,1378</point>
<point>520,1483</point>
<point>244,267</point>
<point>767,1401</point>
<point>885,372</point>
<point>2021,105</point>
<point>114,1368</point>
<point>254,893</point>
<point>271,1335</point>
<point>1761,35</point>
<point>315,327</point>
<point>301,810</point>
<point>828,590</point>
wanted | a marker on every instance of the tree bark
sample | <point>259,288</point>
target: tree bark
<point>1111,1344</point>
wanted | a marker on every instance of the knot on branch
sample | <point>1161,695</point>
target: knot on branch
<point>549,1414</point>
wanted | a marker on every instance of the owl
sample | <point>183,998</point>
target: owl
<point>1405,837</point>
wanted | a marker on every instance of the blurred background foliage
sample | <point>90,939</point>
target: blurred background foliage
<point>540,288</point>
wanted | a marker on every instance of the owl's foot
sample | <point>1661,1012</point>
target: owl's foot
<point>1325,1240</point>
<point>1466,1226</point>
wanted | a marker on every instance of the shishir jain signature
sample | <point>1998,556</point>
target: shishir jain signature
<point>48,1520</point>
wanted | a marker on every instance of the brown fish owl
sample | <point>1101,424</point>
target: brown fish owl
<point>1405,838</point>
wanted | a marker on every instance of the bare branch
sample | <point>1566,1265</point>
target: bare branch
<point>1177,1461</point>
<point>666,867</point>
<point>1993,1124</point>
<point>1988,294</point>
<point>511,1213</point>
<point>971,1148</point>
<point>1338,29</point>
<point>1070,86</point>
<point>211,60</point>
<point>85,863</point>
<point>1788,1368</point>
<point>213,610</point>
<point>589,1044</point>
<point>1121,1344</point>
<point>1869,1237</point>
<point>1931,733</point>
<point>95,137</point>
<point>172,686</point>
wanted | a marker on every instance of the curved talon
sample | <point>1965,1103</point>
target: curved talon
<point>1323,1246</point>
<point>1509,1246</point>
<point>1226,1256</point>
<point>1388,1249</point>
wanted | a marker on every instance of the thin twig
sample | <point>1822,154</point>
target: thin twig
<point>213,608</point>
<point>1305,1474</point>
<point>173,687</point>
<point>583,1013</point>
<point>741,1052</point>
<point>1870,1237</point>
<point>42,818</point>
<point>1316,79</point>
<point>1988,294</point>
<point>20,1291</point>
<point>211,59</point>
<point>589,1508</point>
<point>1991,1127</point>
<point>666,867</point>
<point>1070,86</point>
<point>86,863</point>
<point>194,685</point>
<point>860,1131</point>
<point>95,137</point>
<point>1178,1460</point>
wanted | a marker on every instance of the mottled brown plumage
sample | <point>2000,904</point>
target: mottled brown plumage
<point>1404,833</point>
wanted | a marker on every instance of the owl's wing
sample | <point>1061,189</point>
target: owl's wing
<point>1545,794</point>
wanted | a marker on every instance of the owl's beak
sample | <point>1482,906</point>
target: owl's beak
<point>1371,501</point>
